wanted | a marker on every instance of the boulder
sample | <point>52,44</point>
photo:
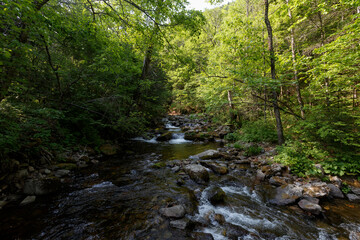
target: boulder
<point>108,149</point>
<point>335,192</point>
<point>279,181</point>
<point>209,154</point>
<point>202,236</point>
<point>41,186</point>
<point>177,211</point>
<point>276,168</point>
<point>233,231</point>
<point>336,181</point>
<point>175,169</point>
<point>219,218</point>
<point>260,176</point>
<point>287,194</point>
<point>317,189</point>
<point>353,198</point>
<point>197,173</point>
<point>28,200</point>
<point>310,207</point>
<point>355,190</point>
<point>180,224</point>
<point>216,167</point>
<point>216,195</point>
<point>62,173</point>
<point>164,137</point>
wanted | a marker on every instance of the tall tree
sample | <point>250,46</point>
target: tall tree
<point>279,126</point>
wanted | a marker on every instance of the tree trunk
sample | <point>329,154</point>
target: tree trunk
<point>279,127</point>
<point>293,51</point>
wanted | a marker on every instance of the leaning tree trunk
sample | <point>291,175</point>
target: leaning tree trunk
<point>279,127</point>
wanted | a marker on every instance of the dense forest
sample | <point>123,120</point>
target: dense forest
<point>80,72</point>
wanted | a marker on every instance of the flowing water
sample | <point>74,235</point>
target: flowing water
<point>121,198</point>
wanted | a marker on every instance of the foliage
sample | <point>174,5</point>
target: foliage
<point>232,137</point>
<point>253,150</point>
<point>258,131</point>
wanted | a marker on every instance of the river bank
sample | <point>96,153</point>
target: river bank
<point>185,189</point>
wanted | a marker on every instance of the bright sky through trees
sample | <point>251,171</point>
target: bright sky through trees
<point>203,4</point>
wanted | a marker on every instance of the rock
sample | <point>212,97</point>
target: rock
<point>202,236</point>
<point>62,173</point>
<point>312,200</point>
<point>335,191</point>
<point>235,231</point>
<point>279,181</point>
<point>28,200</point>
<point>317,189</point>
<point>180,224</point>
<point>67,166</point>
<point>108,149</point>
<point>260,176</point>
<point>336,181</point>
<point>31,169</point>
<point>175,169</point>
<point>164,137</point>
<point>177,211</point>
<point>197,173</point>
<point>22,174</point>
<point>353,198</point>
<point>41,186</point>
<point>209,154</point>
<point>82,164</point>
<point>2,204</point>
<point>216,167</point>
<point>219,218</point>
<point>310,207</point>
<point>287,194</point>
<point>355,190</point>
<point>180,181</point>
<point>216,195</point>
<point>276,168</point>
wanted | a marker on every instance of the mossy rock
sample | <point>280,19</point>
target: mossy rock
<point>165,137</point>
<point>159,165</point>
<point>108,149</point>
<point>67,166</point>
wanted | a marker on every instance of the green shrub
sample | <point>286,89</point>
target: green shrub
<point>258,131</point>
<point>253,151</point>
<point>238,146</point>
<point>232,137</point>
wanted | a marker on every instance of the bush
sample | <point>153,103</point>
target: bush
<point>253,151</point>
<point>258,131</point>
<point>232,137</point>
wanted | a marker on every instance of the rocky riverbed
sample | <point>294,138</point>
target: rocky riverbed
<point>181,182</point>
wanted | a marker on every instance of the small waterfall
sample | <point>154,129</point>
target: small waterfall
<point>171,127</point>
<point>141,139</point>
<point>178,138</point>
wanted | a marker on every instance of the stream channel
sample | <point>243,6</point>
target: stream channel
<point>121,198</point>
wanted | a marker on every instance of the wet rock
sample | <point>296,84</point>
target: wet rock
<point>197,173</point>
<point>312,200</point>
<point>335,191</point>
<point>22,174</point>
<point>279,181</point>
<point>286,195</point>
<point>219,218</point>
<point>260,176</point>
<point>310,207</point>
<point>317,189</point>
<point>180,224</point>
<point>175,169</point>
<point>28,200</point>
<point>108,149</point>
<point>216,195</point>
<point>355,190</point>
<point>216,167</point>
<point>62,173</point>
<point>202,236</point>
<point>41,186</point>
<point>164,137</point>
<point>209,154</point>
<point>177,211</point>
<point>336,181</point>
<point>353,198</point>
<point>235,232</point>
